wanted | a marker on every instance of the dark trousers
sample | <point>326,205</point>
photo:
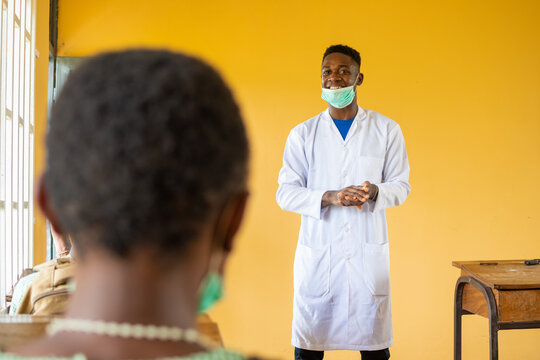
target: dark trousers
<point>302,354</point>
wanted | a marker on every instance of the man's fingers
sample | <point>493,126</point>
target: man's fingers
<point>357,196</point>
<point>352,196</point>
<point>353,200</point>
<point>349,201</point>
<point>365,186</point>
<point>353,192</point>
<point>363,189</point>
<point>361,198</point>
<point>359,189</point>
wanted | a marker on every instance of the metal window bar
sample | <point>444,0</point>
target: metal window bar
<point>17,66</point>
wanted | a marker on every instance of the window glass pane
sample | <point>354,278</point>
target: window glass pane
<point>15,160</point>
<point>22,18</point>
<point>2,253</point>
<point>20,81</point>
<point>20,240</point>
<point>27,92</point>
<point>4,56</point>
<point>9,258</point>
<point>7,163</point>
<point>14,248</point>
<point>20,163</point>
<point>27,243</point>
<point>2,158</point>
<point>26,165</point>
<point>8,205</point>
<point>16,68</point>
<point>9,58</point>
<point>28,14</point>
<point>2,26</point>
<point>18,8</point>
<point>3,46</point>
<point>30,227</point>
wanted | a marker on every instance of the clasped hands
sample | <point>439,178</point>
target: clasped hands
<point>351,195</point>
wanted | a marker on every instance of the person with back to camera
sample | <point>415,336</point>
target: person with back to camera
<point>156,153</point>
<point>341,170</point>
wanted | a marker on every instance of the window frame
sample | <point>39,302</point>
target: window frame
<point>17,83</point>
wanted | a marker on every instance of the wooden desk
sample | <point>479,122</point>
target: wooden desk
<point>21,329</point>
<point>507,292</point>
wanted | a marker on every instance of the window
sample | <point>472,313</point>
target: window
<point>17,36</point>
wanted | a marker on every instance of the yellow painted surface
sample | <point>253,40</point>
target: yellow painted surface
<point>40,114</point>
<point>461,78</point>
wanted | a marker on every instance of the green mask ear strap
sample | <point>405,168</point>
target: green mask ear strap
<point>211,291</point>
<point>357,78</point>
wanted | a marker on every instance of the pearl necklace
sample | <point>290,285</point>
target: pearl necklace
<point>125,330</point>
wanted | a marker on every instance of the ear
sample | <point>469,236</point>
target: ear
<point>45,206</point>
<point>228,225</point>
<point>237,207</point>
<point>360,79</point>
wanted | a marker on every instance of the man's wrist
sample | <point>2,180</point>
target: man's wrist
<point>328,198</point>
<point>375,193</point>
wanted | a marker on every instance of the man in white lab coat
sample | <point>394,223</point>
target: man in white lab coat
<point>341,170</point>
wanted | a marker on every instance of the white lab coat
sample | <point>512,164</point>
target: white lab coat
<point>341,266</point>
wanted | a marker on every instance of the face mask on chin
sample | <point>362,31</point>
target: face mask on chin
<point>340,98</point>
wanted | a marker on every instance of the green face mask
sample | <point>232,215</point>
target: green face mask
<point>339,98</point>
<point>211,291</point>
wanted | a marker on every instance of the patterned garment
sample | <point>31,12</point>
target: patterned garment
<point>19,291</point>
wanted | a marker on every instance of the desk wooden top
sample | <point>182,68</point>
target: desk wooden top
<point>502,274</point>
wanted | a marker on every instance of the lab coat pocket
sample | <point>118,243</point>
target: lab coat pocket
<point>312,267</point>
<point>369,168</point>
<point>377,268</point>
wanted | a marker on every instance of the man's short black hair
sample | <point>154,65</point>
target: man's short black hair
<point>344,49</point>
<point>143,145</point>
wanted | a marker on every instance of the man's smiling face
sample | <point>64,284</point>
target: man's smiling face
<point>339,70</point>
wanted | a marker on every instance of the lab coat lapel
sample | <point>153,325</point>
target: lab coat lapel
<point>360,115</point>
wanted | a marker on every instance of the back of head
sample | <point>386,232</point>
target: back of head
<point>143,146</point>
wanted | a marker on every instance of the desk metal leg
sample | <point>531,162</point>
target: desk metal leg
<point>458,301</point>
<point>458,312</point>
<point>493,336</point>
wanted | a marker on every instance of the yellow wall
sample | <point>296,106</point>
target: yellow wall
<point>460,77</point>
<point>41,79</point>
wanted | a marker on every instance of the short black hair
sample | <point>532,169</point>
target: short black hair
<point>344,49</point>
<point>142,146</point>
